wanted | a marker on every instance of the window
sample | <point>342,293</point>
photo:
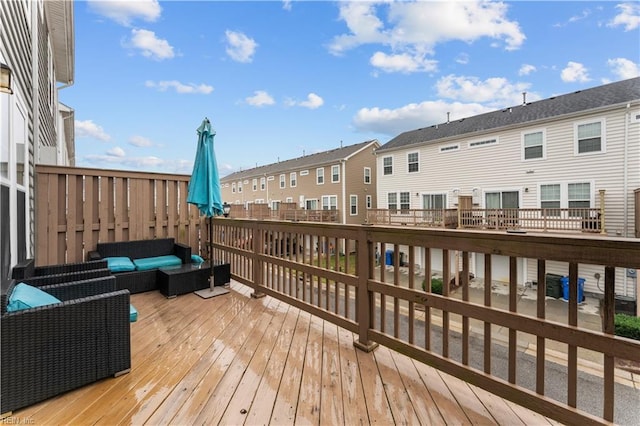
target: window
<point>239,186</point>
<point>255,184</point>
<point>387,165</point>
<point>293,179</point>
<point>579,195</point>
<point>289,200</point>
<point>311,204</point>
<point>275,205</point>
<point>589,137</point>
<point>320,176</point>
<point>502,200</point>
<point>368,201</point>
<point>550,199</point>
<point>392,201</point>
<point>476,144</point>
<point>233,188</point>
<point>533,145</point>
<point>263,184</point>
<point>412,162</point>
<point>304,172</point>
<point>367,175</point>
<point>283,181</point>
<point>329,202</point>
<point>335,174</point>
<point>448,148</point>
<point>353,205</point>
<point>405,201</point>
<point>434,201</point>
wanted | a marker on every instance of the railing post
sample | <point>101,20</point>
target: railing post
<point>364,250</point>
<point>258,273</point>
<point>601,219</point>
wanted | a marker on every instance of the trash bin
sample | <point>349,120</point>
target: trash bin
<point>565,289</point>
<point>554,286</point>
<point>388,257</point>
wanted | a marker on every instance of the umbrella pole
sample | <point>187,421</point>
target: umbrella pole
<point>211,283</point>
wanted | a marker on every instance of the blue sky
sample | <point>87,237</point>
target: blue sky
<point>280,79</point>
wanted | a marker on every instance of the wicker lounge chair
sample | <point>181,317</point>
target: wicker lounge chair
<point>53,349</point>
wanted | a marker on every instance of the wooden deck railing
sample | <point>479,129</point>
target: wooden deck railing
<point>76,208</point>
<point>330,271</point>
<point>544,220</point>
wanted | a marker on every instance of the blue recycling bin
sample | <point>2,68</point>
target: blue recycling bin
<point>565,288</point>
<point>388,257</point>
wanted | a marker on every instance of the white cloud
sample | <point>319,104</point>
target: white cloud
<point>313,101</point>
<point>403,62</point>
<point>116,152</point>
<point>286,4</point>
<point>140,141</point>
<point>629,16</point>
<point>240,47</point>
<point>496,92</point>
<point>150,45</point>
<point>88,129</point>
<point>136,163</point>
<point>125,11</point>
<point>463,58</point>
<point>412,116</point>
<point>413,29</point>
<point>624,68</point>
<point>260,98</point>
<point>182,88</point>
<point>526,69</point>
<point>574,72</point>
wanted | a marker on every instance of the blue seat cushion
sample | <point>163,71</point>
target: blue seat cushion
<point>120,264</point>
<point>196,259</point>
<point>133,314</point>
<point>148,263</point>
<point>25,296</point>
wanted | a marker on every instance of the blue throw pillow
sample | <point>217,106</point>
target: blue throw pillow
<point>120,264</point>
<point>196,259</point>
<point>133,314</point>
<point>25,296</point>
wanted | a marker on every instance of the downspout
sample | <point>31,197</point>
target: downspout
<point>35,111</point>
<point>625,189</point>
<point>343,163</point>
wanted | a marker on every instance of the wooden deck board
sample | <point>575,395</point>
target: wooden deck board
<point>236,360</point>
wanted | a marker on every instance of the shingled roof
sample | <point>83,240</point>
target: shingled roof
<point>312,160</point>
<point>556,106</point>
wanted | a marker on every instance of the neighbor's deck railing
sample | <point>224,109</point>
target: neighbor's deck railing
<point>76,208</point>
<point>560,219</point>
<point>301,264</point>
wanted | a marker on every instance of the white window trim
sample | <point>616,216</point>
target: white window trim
<point>233,188</point>
<point>432,193</point>
<point>329,197</point>
<point>283,181</point>
<point>418,161</point>
<point>564,191</point>
<point>544,144</point>
<point>263,184</point>
<point>365,175</point>
<point>383,166</point>
<point>449,148</point>
<point>254,184</point>
<point>318,170</point>
<point>304,172</point>
<point>351,205</point>
<point>270,178</point>
<point>239,187</point>
<point>603,136</point>
<point>481,143</point>
<point>333,174</point>
<point>293,179</point>
<point>519,190</point>
<point>369,202</point>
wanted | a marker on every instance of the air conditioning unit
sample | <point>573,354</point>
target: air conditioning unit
<point>626,305</point>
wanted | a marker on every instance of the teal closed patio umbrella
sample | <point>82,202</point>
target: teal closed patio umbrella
<point>204,190</point>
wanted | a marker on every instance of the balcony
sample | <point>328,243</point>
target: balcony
<point>289,357</point>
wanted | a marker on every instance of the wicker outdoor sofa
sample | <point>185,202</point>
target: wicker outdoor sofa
<point>52,349</point>
<point>138,281</point>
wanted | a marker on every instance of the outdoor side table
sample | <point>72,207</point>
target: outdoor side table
<point>187,278</point>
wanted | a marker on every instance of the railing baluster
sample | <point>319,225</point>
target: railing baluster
<point>541,313</point>
<point>427,288</point>
<point>513,307</point>
<point>464,282</point>
<point>487,324</point>
<point>411,283</point>
<point>609,328</point>
<point>572,354</point>
<point>396,282</point>
<point>446,274</point>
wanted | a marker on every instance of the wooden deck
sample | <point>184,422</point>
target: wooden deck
<point>236,360</point>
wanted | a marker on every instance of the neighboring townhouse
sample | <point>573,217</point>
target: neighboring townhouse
<point>37,46</point>
<point>566,151</point>
<point>341,179</point>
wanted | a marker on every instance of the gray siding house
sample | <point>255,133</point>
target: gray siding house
<point>567,151</point>
<point>37,45</point>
